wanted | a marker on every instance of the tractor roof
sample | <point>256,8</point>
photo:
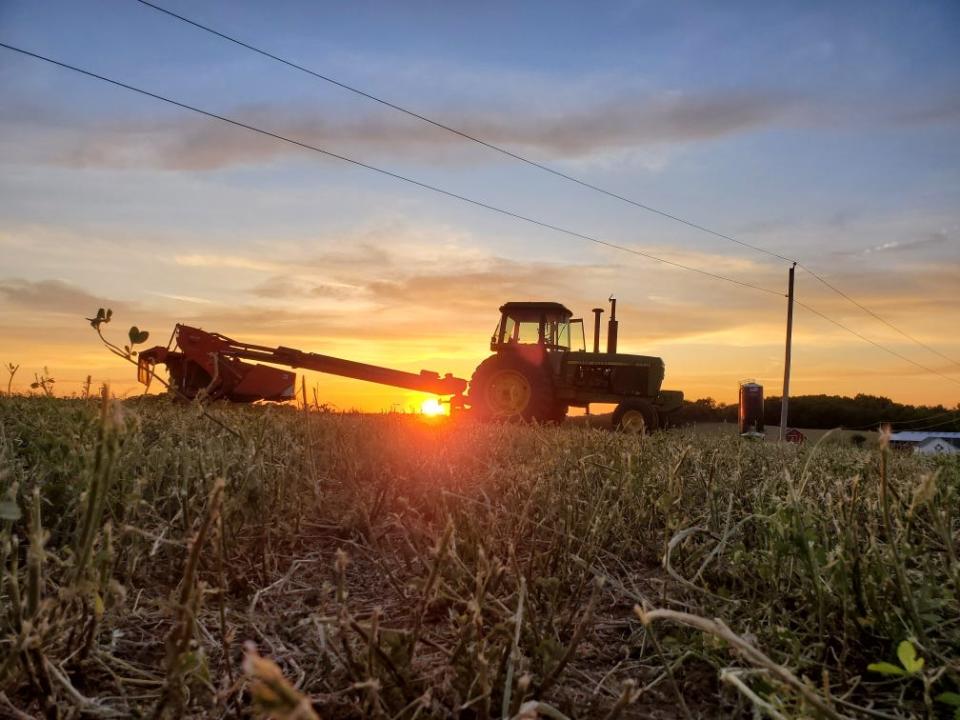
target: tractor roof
<point>553,308</point>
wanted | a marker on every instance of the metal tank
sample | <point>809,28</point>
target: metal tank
<point>751,407</point>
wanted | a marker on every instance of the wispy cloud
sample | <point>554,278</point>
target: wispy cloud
<point>183,298</point>
<point>54,296</point>
<point>933,239</point>
<point>232,262</point>
<point>942,111</point>
<point>281,287</point>
<point>571,130</point>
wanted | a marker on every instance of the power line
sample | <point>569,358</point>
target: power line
<point>533,163</point>
<point>876,344</point>
<point>925,418</point>
<point>945,423</point>
<point>462,133</point>
<point>870,312</point>
<point>391,174</point>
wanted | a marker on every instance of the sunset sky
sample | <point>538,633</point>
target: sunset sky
<point>825,131</point>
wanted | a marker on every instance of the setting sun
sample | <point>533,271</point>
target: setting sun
<point>433,407</point>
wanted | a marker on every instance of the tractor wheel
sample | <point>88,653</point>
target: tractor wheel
<point>635,416</point>
<point>559,413</point>
<point>667,420</point>
<point>504,388</point>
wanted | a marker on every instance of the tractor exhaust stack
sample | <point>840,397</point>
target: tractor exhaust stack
<point>612,327</point>
<point>597,312</point>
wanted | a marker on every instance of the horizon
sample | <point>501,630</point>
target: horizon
<point>829,134</point>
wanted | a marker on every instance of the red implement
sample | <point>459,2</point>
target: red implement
<point>215,365</point>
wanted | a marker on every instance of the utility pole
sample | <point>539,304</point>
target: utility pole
<point>785,399</point>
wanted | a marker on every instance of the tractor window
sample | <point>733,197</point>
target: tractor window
<point>523,331</point>
<point>527,332</point>
<point>559,333</point>
<point>577,341</point>
<point>535,328</point>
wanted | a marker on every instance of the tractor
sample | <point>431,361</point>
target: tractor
<point>539,369</point>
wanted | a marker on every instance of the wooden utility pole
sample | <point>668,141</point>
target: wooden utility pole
<point>785,399</point>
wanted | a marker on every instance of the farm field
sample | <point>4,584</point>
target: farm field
<point>158,561</point>
<point>870,437</point>
<point>813,435</point>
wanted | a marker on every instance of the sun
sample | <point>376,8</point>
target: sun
<point>432,407</point>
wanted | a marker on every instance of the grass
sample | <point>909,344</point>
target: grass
<point>295,563</point>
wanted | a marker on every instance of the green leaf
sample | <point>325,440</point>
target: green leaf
<point>908,657</point>
<point>949,698</point>
<point>9,510</point>
<point>137,335</point>
<point>101,314</point>
<point>885,668</point>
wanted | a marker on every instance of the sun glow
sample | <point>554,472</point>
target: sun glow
<point>432,407</point>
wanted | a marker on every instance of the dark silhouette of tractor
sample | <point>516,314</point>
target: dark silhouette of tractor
<point>539,369</point>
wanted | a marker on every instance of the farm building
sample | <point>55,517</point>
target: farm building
<point>926,443</point>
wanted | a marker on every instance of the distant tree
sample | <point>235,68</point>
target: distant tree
<point>861,412</point>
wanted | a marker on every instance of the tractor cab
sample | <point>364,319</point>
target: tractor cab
<point>549,325</point>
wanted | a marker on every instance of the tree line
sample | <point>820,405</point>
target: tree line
<point>860,412</point>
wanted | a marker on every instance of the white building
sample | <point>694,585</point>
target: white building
<point>927,443</point>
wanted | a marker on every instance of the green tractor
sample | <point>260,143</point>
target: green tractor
<point>541,368</point>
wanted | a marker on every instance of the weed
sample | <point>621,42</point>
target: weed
<point>11,371</point>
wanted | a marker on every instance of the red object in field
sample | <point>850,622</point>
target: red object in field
<point>795,436</point>
<point>215,365</point>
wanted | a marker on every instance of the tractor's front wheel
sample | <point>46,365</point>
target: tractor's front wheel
<point>504,388</point>
<point>635,416</point>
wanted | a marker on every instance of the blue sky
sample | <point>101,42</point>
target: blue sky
<point>825,131</point>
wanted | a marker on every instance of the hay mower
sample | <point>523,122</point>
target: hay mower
<point>539,368</point>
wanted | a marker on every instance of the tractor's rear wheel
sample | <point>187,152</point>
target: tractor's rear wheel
<point>559,413</point>
<point>505,388</point>
<point>635,416</point>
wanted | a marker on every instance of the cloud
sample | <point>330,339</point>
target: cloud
<point>569,130</point>
<point>631,121</point>
<point>916,288</point>
<point>280,287</point>
<point>404,300</point>
<point>231,262</point>
<point>52,296</point>
<point>943,111</point>
<point>474,288</point>
<point>182,298</point>
<point>362,255</point>
<point>470,286</point>
<point>932,239</point>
